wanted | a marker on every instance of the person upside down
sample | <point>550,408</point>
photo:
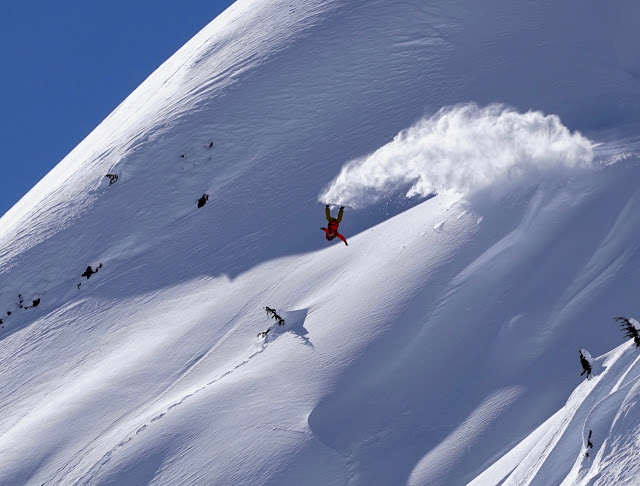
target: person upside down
<point>332,230</point>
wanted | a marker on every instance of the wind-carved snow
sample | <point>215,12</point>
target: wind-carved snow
<point>461,149</point>
<point>445,454</point>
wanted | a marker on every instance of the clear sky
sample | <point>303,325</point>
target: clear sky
<point>67,64</point>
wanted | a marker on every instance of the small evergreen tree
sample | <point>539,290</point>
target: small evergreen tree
<point>273,314</point>
<point>585,361</point>
<point>589,444</point>
<point>629,329</point>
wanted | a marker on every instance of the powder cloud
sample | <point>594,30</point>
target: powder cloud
<point>461,149</point>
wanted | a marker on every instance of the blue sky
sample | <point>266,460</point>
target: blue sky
<point>68,64</point>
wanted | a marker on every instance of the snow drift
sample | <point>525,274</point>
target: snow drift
<point>461,149</point>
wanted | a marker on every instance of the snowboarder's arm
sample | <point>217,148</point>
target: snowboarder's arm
<point>342,238</point>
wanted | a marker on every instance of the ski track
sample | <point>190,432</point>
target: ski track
<point>95,470</point>
<point>66,470</point>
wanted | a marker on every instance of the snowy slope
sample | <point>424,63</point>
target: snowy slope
<point>591,440</point>
<point>439,339</point>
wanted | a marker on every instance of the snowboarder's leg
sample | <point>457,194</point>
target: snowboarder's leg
<point>340,213</point>
<point>327,212</point>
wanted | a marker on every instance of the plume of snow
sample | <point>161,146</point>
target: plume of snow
<point>461,149</point>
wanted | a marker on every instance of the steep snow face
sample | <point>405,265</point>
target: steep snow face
<point>592,440</point>
<point>433,343</point>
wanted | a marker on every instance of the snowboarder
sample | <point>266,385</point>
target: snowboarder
<point>332,230</point>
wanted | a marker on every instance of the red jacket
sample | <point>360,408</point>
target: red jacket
<point>332,232</point>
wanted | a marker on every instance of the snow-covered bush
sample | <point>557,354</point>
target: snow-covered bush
<point>587,362</point>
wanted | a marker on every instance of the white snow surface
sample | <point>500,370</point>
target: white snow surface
<point>489,152</point>
<point>592,440</point>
